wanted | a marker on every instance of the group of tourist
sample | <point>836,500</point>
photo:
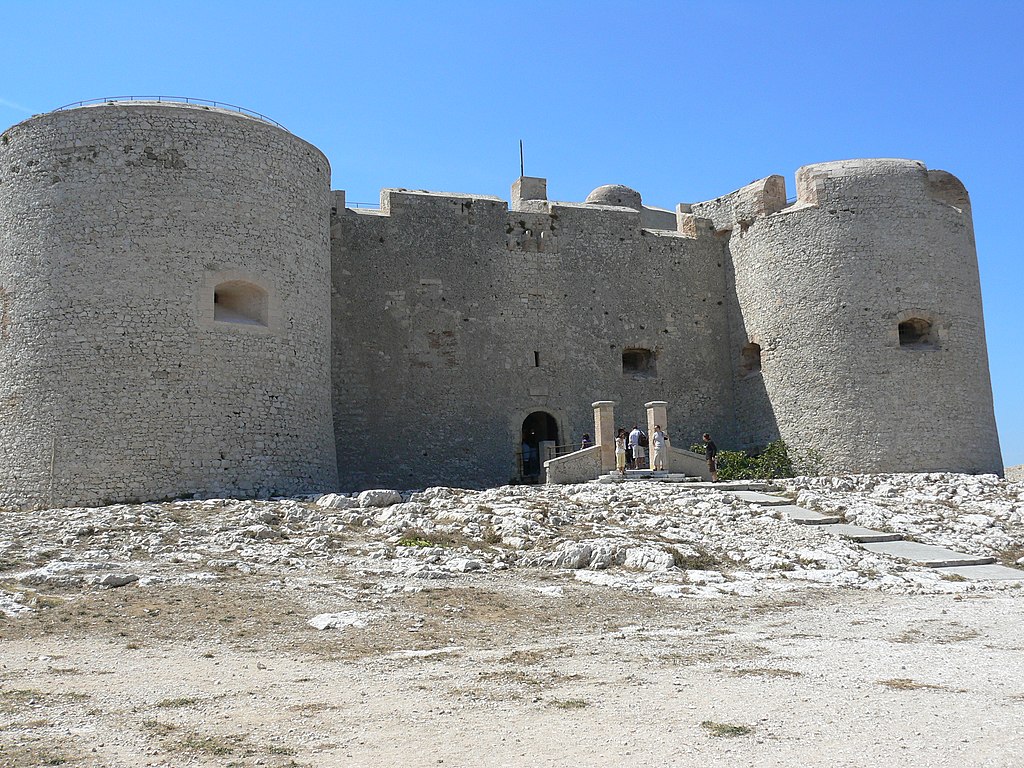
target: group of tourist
<point>631,450</point>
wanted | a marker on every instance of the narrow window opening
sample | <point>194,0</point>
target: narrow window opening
<point>639,363</point>
<point>750,359</point>
<point>238,301</point>
<point>917,333</point>
<point>536,359</point>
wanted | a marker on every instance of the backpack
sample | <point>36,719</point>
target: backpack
<point>643,439</point>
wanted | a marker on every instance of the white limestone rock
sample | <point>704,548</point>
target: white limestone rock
<point>11,605</point>
<point>379,498</point>
<point>342,620</point>
<point>59,574</point>
<point>114,580</point>
<point>336,501</point>
<point>648,559</point>
<point>260,532</point>
<point>464,565</point>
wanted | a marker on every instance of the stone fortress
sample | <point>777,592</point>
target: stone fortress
<point>187,308</point>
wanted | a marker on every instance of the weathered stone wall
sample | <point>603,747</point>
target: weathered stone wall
<point>822,286</point>
<point>455,318</point>
<point>183,303</point>
<point>116,380</point>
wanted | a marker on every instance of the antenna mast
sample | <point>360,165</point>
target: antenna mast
<point>521,172</point>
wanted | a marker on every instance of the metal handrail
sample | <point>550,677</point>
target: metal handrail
<point>174,100</point>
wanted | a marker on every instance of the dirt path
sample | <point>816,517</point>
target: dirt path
<point>488,669</point>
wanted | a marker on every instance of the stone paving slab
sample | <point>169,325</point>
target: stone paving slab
<point>857,533</point>
<point>736,485</point>
<point>986,572</point>
<point>756,497</point>
<point>926,554</point>
<point>796,514</point>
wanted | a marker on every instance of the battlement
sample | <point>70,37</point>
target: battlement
<point>868,181</point>
<point>611,205</point>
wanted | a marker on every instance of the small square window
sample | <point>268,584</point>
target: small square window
<point>917,333</point>
<point>237,301</point>
<point>639,363</point>
<point>750,359</point>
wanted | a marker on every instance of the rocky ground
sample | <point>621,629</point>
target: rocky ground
<point>589,624</point>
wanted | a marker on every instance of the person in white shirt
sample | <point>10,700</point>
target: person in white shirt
<point>658,441</point>
<point>635,438</point>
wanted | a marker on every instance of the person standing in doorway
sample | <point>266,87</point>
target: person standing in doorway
<point>636,445</point>
<point>658,441</point>
<point>711,452</point>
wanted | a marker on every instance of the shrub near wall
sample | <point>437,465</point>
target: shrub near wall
<point>774,461</point>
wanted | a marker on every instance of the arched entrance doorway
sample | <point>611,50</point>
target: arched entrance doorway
<point>539,427</point>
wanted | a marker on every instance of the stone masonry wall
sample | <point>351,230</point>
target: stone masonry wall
<point>455,318</point>
<point>183,312</point>
<point>116,380</point>
<point>822,285</point>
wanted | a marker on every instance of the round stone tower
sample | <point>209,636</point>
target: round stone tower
<point>860,309</point>
<point>164,307</point>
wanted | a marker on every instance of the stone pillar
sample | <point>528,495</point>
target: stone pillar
<point>604,432</point>
<point>546,449</point>
<point>657,413</point>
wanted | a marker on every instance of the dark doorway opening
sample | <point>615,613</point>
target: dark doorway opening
<point>538,427</point>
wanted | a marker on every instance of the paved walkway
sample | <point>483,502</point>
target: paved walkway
<point>880,542</point>
<point>884,543</point>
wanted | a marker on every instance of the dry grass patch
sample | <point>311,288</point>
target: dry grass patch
<point>906,684</point>
<point>1009,557</point>
<point>158,728</point>
<point>25,725</point>
<point>725,730</point>
<point>766,672</point>
<point>217,746</point>
<point>33,754</point>
<point>183,701</point>
<point>509,676</point>
<point>938,634</point>
<point>312,707</point>
<point>537,655</point>
<point>14,699</point>
<point>569,703</point>
<point>417,537</point>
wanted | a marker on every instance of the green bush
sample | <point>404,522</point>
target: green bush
<point>772,462</point>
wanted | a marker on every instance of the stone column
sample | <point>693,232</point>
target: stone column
<point>546,449</point>
<point>657,413</point>
<point>604,432</point>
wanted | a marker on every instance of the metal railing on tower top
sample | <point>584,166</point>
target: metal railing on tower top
<point>174,100</point>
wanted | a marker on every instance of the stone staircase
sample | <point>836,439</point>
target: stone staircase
<point>882,543</point>
<point>646,475</point>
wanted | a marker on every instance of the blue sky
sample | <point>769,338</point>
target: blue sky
<point>681,100</point>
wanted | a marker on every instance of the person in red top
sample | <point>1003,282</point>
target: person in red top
<point>711,450</point>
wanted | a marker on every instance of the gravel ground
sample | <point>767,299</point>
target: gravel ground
<point>591,625</point>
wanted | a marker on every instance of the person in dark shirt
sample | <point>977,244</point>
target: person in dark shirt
<point>711,451</point>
